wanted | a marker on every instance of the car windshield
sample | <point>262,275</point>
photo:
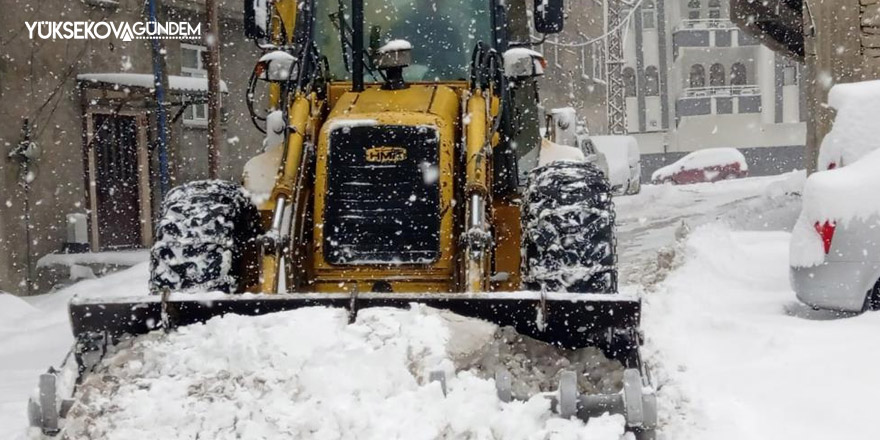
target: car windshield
<point>442,32</point>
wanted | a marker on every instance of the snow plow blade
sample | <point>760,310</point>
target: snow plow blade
<point>564,319</point>
<point>606,321</point>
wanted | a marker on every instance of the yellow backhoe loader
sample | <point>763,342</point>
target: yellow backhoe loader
<point>408,168</point>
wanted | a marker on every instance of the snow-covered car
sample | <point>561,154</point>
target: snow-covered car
<point>709,165</point>
<point>585,144</point>
<point>624,162</point>
<point>851,138</point>
<point>835,244</point>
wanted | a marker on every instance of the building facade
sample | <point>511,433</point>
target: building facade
<point>90,110</point>
<point>837,40</point>
<point>575,74</point>
<point>694,80</point>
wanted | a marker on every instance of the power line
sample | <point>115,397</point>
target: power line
<point>622,23</point>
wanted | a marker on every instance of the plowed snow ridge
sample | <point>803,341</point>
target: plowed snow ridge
<point>308,374</point>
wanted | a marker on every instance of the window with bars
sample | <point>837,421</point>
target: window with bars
<point>192,63</point>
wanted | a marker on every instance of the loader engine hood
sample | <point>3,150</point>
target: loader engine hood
<point>384,182</point>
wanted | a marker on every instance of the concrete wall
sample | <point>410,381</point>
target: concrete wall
<point>37,80</point>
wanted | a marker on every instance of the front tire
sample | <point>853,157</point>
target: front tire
<point>206,239</point>
<point>872,299</point>
<point>568,242</point>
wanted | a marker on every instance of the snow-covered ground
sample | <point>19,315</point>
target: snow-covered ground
<point>734,353</point>
<point>35,334</point>
<point>738,357</point>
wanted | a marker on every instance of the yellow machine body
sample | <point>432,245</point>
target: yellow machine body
<point>461,123</point>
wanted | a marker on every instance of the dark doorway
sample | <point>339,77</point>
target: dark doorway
<point>116,181</point>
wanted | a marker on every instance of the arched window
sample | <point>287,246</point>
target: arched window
<point>694,7</point>
<point>652,81</point>
<point>698,76</point>
<point>738,74</point>
<point>648,17</point>
<point>629,82</point>
<point>716,75</point>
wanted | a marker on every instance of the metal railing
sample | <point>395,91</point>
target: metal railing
<point>720,91</point>
<point>706,23</point>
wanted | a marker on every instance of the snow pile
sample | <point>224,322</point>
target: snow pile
<point>12,308</point>
<point>117,258</point>
<point>308,374</point>
<point>553,152</point>
<point>837,196</point>
<point>854,133</point>
<point>737,357</point>
<point>842,194</point>
<point>702,159</point>
<point>622,155</point>
<point>35,334</point>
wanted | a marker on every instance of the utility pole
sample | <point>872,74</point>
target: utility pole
<point>212,42</point>
<point>614,62</point>
<point>160,81</point>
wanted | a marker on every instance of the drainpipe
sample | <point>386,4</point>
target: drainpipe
<point>213,43</point>
<point>160,80</point>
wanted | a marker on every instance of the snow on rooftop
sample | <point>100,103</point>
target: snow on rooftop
<point>120,258</point>
<point>145,80</point>
<point>395,45</point>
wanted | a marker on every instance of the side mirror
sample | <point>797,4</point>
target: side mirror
<point>549,16</point>
<point>256,19</point>
<point>275,66</point>
<point>522,63</point>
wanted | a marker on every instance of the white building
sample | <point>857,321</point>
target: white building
<point>693,81</point>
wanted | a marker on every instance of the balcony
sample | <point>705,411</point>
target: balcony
<point>705,24</point>
<point>709,32</point>
<point>723,100</point>
<point>724,91</point>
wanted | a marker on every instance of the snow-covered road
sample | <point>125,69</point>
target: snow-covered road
<point>734,353</point>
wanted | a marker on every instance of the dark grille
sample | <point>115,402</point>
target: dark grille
<point>383,197</point>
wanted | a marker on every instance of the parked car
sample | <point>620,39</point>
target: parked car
<point>835,244</point>
<point>624,162</point>
<point>709,165</point>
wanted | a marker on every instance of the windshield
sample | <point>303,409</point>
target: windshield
<point>442,32</point>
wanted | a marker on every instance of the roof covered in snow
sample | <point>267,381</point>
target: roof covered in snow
<point>175,83</point>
